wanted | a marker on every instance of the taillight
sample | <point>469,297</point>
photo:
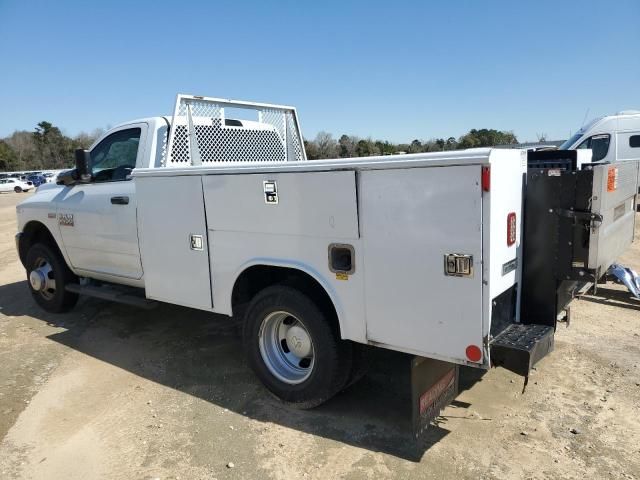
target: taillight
<point>486,179</point>
<point>474,354</point>
<point>511,229</point>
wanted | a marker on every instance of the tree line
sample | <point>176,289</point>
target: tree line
<point>346,146</point>
<point>47,148</point>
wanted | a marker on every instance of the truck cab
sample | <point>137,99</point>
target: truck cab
<point>611,138</point>
<point>95,222</point>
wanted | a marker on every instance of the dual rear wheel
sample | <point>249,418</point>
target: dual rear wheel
<point>294,347</point>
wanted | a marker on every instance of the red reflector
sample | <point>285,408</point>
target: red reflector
<point>511,229</point>
<point>486,179</point>
<point>474,354</point>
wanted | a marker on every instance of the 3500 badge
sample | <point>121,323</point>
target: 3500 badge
<point>65,219</point>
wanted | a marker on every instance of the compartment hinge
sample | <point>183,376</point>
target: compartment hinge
<point>587,219</point>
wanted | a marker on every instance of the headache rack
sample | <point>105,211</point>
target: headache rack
<point>207,131</point>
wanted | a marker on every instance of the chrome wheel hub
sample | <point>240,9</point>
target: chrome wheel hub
<point>42,280</point>
<point>286,347</point>
<point>298,341</point>
<point>37,280</point>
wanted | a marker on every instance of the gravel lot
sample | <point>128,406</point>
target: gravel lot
<point>109,391</point>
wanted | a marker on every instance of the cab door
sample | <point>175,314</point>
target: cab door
<point>97,220</point>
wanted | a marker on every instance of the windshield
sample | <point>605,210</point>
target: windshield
<point>567,145</point>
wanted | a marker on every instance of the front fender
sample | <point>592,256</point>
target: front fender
<point>41,208</point>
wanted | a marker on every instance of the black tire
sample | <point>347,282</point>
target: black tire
<point>360,363</point>
<point>57,300</point>
<point>17,189</point>
<point>332,357</point>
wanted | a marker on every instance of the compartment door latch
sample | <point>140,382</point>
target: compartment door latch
<point>270,192</point>
<point>458,265</point>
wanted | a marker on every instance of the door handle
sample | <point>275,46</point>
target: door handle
<point>120,200</point>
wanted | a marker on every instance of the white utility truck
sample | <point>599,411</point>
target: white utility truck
<point>420,253</point>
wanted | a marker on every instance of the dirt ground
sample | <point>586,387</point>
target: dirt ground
<point>112,392</point>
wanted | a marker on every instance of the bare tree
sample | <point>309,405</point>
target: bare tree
<point>23,145</point>
<point>85,140</point>
<point>327,146</point>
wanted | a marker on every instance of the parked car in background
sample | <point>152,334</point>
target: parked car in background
<point>36,179</point>
<point>15,185</point>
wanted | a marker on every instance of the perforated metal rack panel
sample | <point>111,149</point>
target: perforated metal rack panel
<point>202,133</point>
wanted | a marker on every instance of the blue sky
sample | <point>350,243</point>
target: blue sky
<point>394,70</point>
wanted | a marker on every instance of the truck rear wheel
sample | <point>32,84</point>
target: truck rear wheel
<point>294,348</point>
<point>48,275</point>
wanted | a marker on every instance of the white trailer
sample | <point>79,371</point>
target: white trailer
<point>416,253</point>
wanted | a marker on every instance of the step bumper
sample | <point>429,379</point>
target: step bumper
<point>519,347</point>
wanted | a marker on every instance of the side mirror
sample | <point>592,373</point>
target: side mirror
<point>66,178</point>
<point>83,165</point>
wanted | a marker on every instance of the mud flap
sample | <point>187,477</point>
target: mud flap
<point>434,384</point>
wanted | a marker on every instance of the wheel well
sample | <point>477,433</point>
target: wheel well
<point>258,277</point>
<point>35,232</point>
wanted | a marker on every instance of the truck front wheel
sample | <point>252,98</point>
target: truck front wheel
<point>294,348</point>
<point>48,275</point>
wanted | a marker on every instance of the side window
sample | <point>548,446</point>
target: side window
<point>634,141</point>
<point>115,157</point>
<point>599,145</point>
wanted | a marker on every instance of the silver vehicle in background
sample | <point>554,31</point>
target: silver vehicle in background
<point>611,138</point>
